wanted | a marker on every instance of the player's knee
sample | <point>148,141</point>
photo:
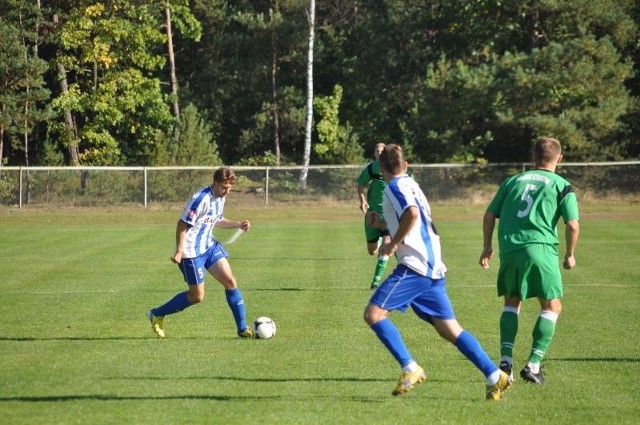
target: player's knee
<point>196,298</point>
<point>368,318</point>
<point>373,315</point>
<point>448,329</point>
<point>554,305</point>
<point>229,283</point>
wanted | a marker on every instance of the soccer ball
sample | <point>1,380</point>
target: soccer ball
<point>264,328</point>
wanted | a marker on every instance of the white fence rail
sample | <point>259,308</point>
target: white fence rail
<point>87,186</point>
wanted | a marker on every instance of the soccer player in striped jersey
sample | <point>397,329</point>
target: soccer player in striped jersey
<point>370,186</point>
<point>198,252</point>
<point>418,281</point>
<point>529,206</point>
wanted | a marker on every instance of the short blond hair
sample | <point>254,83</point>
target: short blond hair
<point>546,150</point>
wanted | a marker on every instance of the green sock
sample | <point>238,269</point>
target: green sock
<point>508,331</point>
<point>542,334</point>
<point>381,265</point>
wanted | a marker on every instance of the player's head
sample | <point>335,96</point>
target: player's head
<point>378,150</point>
<point>223,179</point>
<point>392,160</point>
<point>546,151</point>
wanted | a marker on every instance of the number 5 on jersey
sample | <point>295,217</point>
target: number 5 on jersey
<point>526,197</point>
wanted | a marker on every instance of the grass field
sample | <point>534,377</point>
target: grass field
<point>76,347</point>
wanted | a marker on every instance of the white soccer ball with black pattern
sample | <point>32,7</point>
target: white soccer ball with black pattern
<point>264,328</point>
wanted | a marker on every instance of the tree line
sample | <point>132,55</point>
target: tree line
<point>201,82</point>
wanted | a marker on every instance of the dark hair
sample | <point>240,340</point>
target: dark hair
<point>392,159</point>
<point>545,150</point>
<point>224,175</point>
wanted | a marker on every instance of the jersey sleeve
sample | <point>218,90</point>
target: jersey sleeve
<point>568,204</point>
<point>495,206</point>
<point>365,176</point>
<point>193,209</point>
<point>399,193</point>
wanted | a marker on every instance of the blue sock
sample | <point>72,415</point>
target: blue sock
<point>472,350</point>
<point>176,304</point>
<point>391,338</point>
<point>236,303</point>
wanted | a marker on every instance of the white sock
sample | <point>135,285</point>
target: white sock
<point>534,367</point>
<point>494,377</point>
<point>411,367</point>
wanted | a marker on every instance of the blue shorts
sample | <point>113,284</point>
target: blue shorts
<point>404,287</point>
<point>194,269</point>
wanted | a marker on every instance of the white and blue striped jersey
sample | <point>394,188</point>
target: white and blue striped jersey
<point>420,250</point>
<point>202,212</point>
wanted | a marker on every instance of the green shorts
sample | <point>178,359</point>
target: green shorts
<point>373,234</point>
<point>533,271</point>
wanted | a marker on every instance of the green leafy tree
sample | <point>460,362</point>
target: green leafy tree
<point>336,143</point>
<point>450,119</point>
<point>450,81</point>
<point>110,50</point>
<point>230,75</point>
<point>22,88</point>
<point>574,90</point>
<point>196,145</point>
<point>562,75</point>
<point>258,137</point>
<point>177,13</point>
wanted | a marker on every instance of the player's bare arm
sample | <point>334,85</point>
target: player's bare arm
<point>571,236</point>
<point>181,232</point>
<point>225,223</point>
<point>364,205</point>
<point>488,225</point>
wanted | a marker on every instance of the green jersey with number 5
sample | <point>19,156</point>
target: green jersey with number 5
<point>529,206</point>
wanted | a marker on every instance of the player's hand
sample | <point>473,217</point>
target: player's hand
<point>569,262</point>
<point>388,248</point>
<point>177,257</point>
<point>487,254</point>
<point>364,206</point>
<point>245,225</point>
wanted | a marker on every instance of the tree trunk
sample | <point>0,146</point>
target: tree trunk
<point>72,143</point>
<point>2,141</point>
<point>274,87</point>
<point>309,120</point>
<point>25,130</point>
<point>174,80</point>
<point>25,138</point>
<point>25,122</point>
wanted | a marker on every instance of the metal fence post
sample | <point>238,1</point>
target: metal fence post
<point>266,186</point>
<point>145,187</point>
<point>20,188</point>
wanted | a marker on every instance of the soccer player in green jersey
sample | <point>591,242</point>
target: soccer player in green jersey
<point>370,185</point>
<point>529,206</point>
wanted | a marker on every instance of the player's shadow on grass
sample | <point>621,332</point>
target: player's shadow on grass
<point>243,379</point>
<point>105,397</point>
<point>82,338</point>
<point>293,259</point>
<point>99,397</point>
<point>276,289</point>
<point>595,359</point>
